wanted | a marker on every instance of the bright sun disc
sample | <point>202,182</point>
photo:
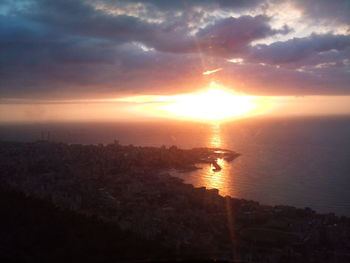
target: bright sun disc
<point>214,104</point>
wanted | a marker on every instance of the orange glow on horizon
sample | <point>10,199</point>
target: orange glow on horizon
<point>215,103</point>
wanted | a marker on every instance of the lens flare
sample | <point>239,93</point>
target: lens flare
<point>209,72</point>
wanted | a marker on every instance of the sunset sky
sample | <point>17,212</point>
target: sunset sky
<point>93,58</point>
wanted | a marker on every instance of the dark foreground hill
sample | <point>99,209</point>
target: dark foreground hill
<point>106,203</point>
<point>33,230</point>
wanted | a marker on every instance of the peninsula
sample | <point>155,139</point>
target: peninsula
<point>128,189</point>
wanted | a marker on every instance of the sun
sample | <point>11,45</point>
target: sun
<point>215,103</point>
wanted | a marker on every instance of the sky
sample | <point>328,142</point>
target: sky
<point>96,49</point>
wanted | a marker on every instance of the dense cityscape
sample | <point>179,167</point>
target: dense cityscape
<point>130,188</point>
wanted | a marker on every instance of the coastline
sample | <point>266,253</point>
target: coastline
<point>129,186</point>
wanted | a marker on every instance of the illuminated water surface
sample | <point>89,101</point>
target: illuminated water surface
<point>300,161</point>
<point>222,179</point>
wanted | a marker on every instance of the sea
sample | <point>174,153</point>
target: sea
<point>297,161</point>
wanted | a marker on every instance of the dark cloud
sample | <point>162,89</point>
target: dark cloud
<point>337,11</point>
<point>231,35</point>
<point>183,4</point>
<point>78,18</point>
<point>297,49</point>
<point>69,48</point>
<point>81,19</point>
<point>272,80</point>
<point>225,37</point>
<point>38,64</point>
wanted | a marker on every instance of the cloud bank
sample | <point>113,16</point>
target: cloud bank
<point>72,49</point>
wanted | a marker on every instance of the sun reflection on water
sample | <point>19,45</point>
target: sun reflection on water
<point>215,138</point>
<point>208,175</point>
<point>212,178</point>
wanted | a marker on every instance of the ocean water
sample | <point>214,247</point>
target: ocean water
<point>304,162</point>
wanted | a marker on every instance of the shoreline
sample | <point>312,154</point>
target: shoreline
<point>128,185</point>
